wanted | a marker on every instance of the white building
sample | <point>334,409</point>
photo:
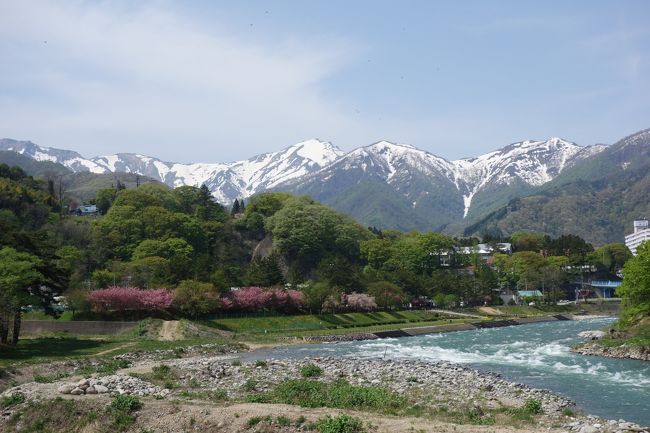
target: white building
<point>641,233</point>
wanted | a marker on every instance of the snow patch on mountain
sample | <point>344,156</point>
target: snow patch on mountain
<point>399,165</point>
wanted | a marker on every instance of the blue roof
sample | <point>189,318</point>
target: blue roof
<point>529,293</point>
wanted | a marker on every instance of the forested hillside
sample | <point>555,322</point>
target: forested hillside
<point>597,199</point>
<point>184,242</point>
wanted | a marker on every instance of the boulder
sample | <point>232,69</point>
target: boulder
<point>66,389</point>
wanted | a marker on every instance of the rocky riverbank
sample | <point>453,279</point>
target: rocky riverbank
<point>623,351</point>
<point>439,389</point>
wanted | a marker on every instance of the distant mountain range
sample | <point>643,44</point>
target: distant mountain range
<point>385,184</point>
<point>597,199</point>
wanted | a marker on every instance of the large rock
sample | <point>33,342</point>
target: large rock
<point>594,335</point>
<point>66,389</point>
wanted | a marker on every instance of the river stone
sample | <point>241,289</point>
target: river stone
<point>77,391</point>
<point>592,334</point>
<point>66,389</point>
<point>101,389</point>
<point>91,390</point>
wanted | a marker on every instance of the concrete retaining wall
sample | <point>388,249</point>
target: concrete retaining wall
<point>536,319</point>
<point>438,329</point>
<point>36,327</point>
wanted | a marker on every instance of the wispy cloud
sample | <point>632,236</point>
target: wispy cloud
<point>106,72</point>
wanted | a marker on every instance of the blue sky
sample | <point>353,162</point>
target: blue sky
<point>219,81</point>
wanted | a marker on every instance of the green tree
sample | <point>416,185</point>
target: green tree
<point>235,208</point>
<point>265,271</point>
<point>195,299</point>
<point>18,273</point>
<point>387,295</point>
<point>317,293</point>
<point>635,288</point>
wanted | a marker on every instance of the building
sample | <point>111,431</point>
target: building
<point>86,209</point>
<point>641,233</point>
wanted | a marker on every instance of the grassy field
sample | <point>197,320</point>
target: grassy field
<point>306,323</point>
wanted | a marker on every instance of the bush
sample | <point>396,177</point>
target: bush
<point>533,406</point>
<point>283,421</point>
<point>311,370</point>
<point>126,403</point>
<point>12,400</point>
<point>339,424</point>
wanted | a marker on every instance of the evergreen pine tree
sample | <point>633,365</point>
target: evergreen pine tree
<point>235,207</point>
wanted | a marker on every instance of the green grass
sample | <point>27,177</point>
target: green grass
<point>38,350</point>
<point>66,316</point>
<point>339,394</point>
<point>313,322</point>
<point>270,327</point>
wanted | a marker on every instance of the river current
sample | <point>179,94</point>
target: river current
<point>535,354</point>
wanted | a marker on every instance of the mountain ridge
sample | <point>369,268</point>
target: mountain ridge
<point>433,191</point>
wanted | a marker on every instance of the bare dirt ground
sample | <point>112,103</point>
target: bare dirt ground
<point>170,330</point>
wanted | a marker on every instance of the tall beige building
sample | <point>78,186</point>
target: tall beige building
<point>641,233</point>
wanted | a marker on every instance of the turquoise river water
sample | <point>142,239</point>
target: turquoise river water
<point>536,354</point>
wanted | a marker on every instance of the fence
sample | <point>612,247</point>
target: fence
<point>35,327</point>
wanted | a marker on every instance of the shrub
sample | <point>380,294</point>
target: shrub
<point>533,406</point>
<point>12,400</point>
<point>261,363</point>
<point>339,424</point>
<point>283,421</point>
<point>126,403</point>
<point>311,370</point>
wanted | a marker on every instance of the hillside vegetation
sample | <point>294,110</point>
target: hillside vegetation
<point>597,199</point>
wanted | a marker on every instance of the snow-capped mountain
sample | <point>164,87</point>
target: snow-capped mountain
<point>383,184</point>
<point>227,181</point>
<point>436,191</point>
<point>531,162</point>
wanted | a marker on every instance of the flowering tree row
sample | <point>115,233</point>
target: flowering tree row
<point>245,299</point>
<point>130,299</point>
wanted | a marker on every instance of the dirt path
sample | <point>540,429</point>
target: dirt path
<point>170,330</point>
<point>114,349</point>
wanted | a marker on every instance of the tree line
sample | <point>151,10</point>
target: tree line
<point>153,237</point>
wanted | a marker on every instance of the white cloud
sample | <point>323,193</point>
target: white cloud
<point>85,75</point>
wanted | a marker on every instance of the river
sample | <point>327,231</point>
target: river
<point>536,354</point>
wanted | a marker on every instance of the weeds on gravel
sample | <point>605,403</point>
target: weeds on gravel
<point>52,416</point>
<point>104,367</point>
